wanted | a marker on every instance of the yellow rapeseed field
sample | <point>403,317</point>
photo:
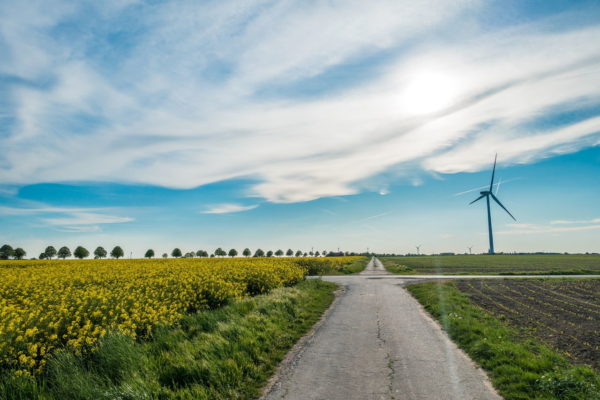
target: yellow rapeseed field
<point>46,305</point>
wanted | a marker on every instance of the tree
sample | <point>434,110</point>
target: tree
<point>317,254</point>
<point>117,252</point>
<point>279,253</point>
<point>81,252</point>
<point>176,252</point>
<point>202,253</point>
<point>50,252</point>
<point>165,255</point>
<point>269,253</point>
<point>6,252</point>
<point>220,252</point>
<point>149,253</point>
<point>100,252</point>
<point>311,253</point>
<point>233,253</point>
<point>259,253</point>
<point>64,252</point>
<point>247,252</point>
<point>43,256</point>
<point>298,253</point>
<point>289,253</point>
<point>305,254</point>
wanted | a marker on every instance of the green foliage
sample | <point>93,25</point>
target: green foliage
<point>519,368</point>
<point>149,253</point>
<point>233,253</point>
<point>81,252</point>
<point>223,354</point>
<point>50,252</point>
<point>176,253</point>
<point>19,253</point>
<point>246,252</point>
<point>279,253</point>
<point>219,252</point>
<point>289,252</point>
<point>298,253</point>
<point>270,253</point>
<point>100,252</point>
<point>259,253</point>
<point>64,252</point>
<point>6,252</point>
<point>117,252</point>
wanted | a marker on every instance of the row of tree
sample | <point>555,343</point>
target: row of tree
<point>7,252</point>
<point>233,253</point>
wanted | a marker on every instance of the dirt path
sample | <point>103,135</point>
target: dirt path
<point>377,343</point>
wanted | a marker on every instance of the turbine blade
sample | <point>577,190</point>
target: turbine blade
<point>498,186</point>
<point>477,199</point>
<point>500,204</point>
<point>493,172</point>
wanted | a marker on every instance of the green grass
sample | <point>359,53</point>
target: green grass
<point>321,266</point>
<point>519,368</point>
<point>228,353</point>
<point>497,264</point>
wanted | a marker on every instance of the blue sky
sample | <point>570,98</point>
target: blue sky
<point>299,124</point>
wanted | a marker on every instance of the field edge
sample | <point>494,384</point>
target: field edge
<point>519,368</point>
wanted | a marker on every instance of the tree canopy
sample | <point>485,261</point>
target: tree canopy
<point>117,252</point>
<point>50,252</point>
<point>19,253</point>
<point>270,253</point>
<point>299,253</point>
<point>259,253</point>
<point>279,253</point>
<point>81,252</point>
<point>289,252</point>
<point>233,253</point>
<point>176,252</point>
<point>100,252</point>
<point>149,253</point>
<point>64,252</point>
<point>247,252</point>
<point>6,252</point>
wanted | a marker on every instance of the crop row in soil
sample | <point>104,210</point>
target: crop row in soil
<point>565,313</point>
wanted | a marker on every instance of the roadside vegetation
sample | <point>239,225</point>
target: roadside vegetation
<point>227,353</point>
<point>334,265</point>
<point>502,264</point>
<point>519,363</point>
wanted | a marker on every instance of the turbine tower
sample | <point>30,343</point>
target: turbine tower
<point>487,194</point>
<point>418,249</point>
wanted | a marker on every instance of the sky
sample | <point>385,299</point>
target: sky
<point>299,124</point>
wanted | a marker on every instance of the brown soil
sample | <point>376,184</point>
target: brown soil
<point>564,314</point>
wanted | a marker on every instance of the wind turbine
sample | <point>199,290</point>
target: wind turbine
<point>470,247</point>
<point>418,249</point>
<point>487,194</point>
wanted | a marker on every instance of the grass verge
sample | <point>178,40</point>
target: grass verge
<point>519,368</point>
<point>228,353</point>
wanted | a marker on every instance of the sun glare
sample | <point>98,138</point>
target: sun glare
<point>428,92</point>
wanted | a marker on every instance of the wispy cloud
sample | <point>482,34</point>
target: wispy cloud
<point>528,229</point>
<point>576,222</point>
<point>69,219</point>
<point>228,208</point>
<point>217,95</point>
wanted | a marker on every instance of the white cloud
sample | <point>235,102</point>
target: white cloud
<point>181,106</point>
<point>228,208</point>
<point>574,222</point>
<point>529,229</point>
<point>72,219</point>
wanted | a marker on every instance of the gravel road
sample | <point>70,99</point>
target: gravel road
<point>377,343</point>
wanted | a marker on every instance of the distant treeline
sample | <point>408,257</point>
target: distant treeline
<point>7,253</point>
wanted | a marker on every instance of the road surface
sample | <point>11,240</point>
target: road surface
<point>376,343</point>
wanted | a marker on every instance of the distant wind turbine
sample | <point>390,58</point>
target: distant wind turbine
<point>418,249</point>
<point>487,194</point>
<point>470,247</point>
